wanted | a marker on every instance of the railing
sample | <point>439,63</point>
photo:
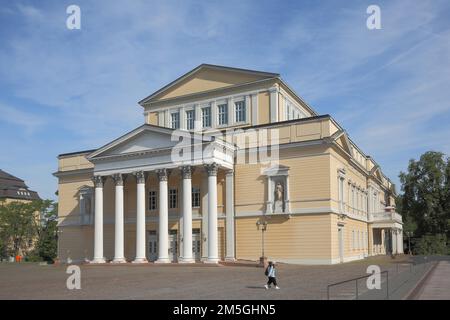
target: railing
<point>356,282</point>
<point>381,216</point>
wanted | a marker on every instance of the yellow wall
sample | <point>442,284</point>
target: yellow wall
<point>207,79</point>
<point>300,237</point>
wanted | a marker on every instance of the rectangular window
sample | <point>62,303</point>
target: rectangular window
<point>341,193</point>
<point>240,111</point>
<point>152,200</point>
<point>353,239</point>
<point>173,198</point>
<point>206,117</point>
<point>175,120</point>
<point>195,197</point>
<point>190,117</point>
<point>288,113</point>
<point>223,114</point>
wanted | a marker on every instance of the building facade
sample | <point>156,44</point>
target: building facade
<point>229,164</point>
<point>15,189</point>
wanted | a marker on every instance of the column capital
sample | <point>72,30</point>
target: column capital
<point>118,179</point>
<point>163,174</point>
<point>212,168</point>
<point>140,176</point>
<point>186,172</point>
<point>98,181</point>
<point>229,172</point>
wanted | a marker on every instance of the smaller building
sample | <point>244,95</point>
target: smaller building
<point>15,189</point>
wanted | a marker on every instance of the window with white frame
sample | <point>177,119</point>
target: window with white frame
<point>240,111</point>
<point>287,110</point>
<point>195,197</point>
<point>341,178</point>
<point>175,120</point>
<point>190,118</point>
<point>173,198</point>
<point>152,200</point>
<point>86,198</point>
<point>353,239</point>
<point>353,199</point>
<point>367,241</point>
<point>223,114</point>
<point>206,117</point>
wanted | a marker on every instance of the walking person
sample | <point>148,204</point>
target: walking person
<point>271,273</point>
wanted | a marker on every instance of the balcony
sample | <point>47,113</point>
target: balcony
<point>388,215</point>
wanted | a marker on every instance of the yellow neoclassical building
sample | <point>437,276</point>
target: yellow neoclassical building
<point>229,164</point>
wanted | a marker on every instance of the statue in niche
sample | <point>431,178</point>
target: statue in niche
<point>279,198</point>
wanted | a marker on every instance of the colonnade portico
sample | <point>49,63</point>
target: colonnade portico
<point>163,223</point>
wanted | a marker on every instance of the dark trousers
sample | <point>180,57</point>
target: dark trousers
<point>272,280</point>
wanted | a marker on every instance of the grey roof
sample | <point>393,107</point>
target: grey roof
<point>15,188</point>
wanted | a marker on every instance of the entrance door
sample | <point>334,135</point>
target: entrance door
<point>341,243</point>
<point>196,244</point>
<point>152,253</point>
<point>173,252</point>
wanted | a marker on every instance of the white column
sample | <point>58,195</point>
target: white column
<point>212,213</point>
<point>118,224</point>
<point>204,239</point>
<point>186,172</point>
<point>273,104</point>
<point>98,223</point>
<point>163,232</point>
<point>400,241</point>
<point>140,218</point>
<point>229,219</point>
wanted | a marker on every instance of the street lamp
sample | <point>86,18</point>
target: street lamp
<point>409,234</point>
<point>263,226</point>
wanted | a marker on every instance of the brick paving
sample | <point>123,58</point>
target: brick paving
<point>437,285</point>
<point>240,281</point>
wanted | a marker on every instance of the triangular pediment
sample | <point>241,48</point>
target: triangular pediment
<point>376,172</point>
<point>205,78</point>
<point>341,138</point>
<point>142,139</point>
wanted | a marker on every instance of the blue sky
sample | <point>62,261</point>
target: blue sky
<point>67,90</point>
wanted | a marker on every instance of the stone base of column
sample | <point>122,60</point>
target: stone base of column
<point>163,260</point>
<point>212,260</point>
<point>119,260</point>
<point>230,259</point>
<point>139,260</point>
<point>186,260</point>
<point>98,260</point>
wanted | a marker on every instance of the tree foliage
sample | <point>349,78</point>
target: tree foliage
<point>426,193</point>
<point>27,227</point>
<point>425,202</point>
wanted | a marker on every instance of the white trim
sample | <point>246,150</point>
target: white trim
<point>254,102</point>
<point>273,105</point>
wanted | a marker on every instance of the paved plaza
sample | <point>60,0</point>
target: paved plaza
<point>175,281</point>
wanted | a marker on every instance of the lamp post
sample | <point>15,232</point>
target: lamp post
<point>409,234</point>
<point>263,226</point>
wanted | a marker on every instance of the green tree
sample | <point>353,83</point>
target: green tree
<point>47,244</point>
<point>426,194</point>
<point>19,226</point>
<point>25,226</point>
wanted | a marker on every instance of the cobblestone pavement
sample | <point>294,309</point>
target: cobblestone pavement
<point>34,281</point>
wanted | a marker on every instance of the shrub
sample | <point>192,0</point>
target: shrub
<point>432,244</point>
